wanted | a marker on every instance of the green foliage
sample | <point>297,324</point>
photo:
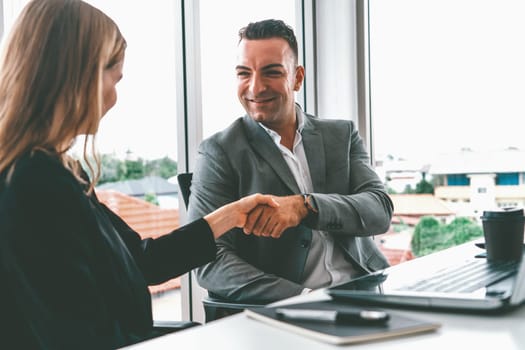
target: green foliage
<point>426,235</point>
<point>424,186</point>
<point>164,167</point>
<point>408,189</point>
<point>400,227</point>
<point>464,230</point>
<point>431,236</point>
<point>114,169</point>
<point>390,190</point>
<point>134,169</point>
<point>151,198</point>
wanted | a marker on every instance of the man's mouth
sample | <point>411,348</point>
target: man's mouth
<point>260,100</point>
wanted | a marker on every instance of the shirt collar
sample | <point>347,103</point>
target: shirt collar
<point>300,125</point>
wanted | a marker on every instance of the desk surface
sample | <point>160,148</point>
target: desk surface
<point>238,332</point>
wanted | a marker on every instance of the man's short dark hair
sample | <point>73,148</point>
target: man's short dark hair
<point>270,28</point>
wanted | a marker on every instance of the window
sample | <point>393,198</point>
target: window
<point>446,75</point>
<point>457,180</point>
<point>446,92</point>
<point>140,133</point>
<point>508,179</point>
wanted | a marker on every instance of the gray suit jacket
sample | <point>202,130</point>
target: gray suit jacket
<point>243,160</point>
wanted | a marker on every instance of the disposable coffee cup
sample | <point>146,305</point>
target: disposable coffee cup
<point>503,230</point>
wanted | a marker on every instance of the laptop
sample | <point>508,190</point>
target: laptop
<point>470,284</point>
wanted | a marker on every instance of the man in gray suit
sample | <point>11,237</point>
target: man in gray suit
<point>331,200</point>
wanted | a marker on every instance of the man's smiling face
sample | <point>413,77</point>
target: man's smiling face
<point>267,77</point>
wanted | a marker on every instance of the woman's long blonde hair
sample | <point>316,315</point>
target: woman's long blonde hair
<point>51,80</point>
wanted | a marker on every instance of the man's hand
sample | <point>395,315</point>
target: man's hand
<point>235,214</point>
<point>273,221</point>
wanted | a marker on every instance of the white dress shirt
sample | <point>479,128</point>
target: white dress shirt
<point>325,264</point>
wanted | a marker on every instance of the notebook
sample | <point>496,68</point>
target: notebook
<point>341,332</point>
<point>472,285</point>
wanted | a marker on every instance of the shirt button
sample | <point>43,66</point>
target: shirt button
<point>304,243</point>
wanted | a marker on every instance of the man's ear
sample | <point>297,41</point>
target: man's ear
<point>299,78</point>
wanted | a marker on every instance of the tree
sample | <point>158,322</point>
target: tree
<point>431,236</point>
<point>113,169</point>
<point>424,186</point>
<point>425,235</point>
<point>464,230</point>
<point>408,189</point>
<point>164,167</point>
<point>151,198</point>
<point>134,169</point>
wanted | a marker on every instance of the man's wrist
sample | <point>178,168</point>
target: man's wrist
<point>309,204</point>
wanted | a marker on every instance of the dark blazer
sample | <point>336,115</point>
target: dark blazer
<point>351,199</point>
<point>74,275</point>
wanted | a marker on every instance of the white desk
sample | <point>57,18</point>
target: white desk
<point>238,332</point>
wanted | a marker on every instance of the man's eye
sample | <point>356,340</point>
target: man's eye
<point>242,74</point>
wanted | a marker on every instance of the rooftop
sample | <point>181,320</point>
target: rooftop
<point>141,187</point>
<point>419,205</point>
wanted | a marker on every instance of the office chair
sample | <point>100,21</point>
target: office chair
<point>214,307</point>
<point>184,180</point>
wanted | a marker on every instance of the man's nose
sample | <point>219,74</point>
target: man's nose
<point>257,84</point>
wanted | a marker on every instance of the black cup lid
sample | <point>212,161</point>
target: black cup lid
<point>503,213</point>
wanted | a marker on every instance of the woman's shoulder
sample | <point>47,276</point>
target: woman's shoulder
<point>38,183</point>
<point>39,168</point>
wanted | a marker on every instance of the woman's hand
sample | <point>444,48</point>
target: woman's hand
<point>247,204</point>
<point>236,213</point>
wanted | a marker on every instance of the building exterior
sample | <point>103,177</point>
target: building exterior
<point>399,174</point>
<point>409,208</point>
<point>470,182</point>
<point>164,191</point>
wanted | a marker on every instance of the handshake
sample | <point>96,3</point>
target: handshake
<point>270,216</point>
<point>258,214</point>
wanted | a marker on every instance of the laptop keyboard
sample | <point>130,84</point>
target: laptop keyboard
<point>466,277</point>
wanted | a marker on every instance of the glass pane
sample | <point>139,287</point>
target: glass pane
<point>138,136</point>
<point>447,91</point>
<point>219,38</point>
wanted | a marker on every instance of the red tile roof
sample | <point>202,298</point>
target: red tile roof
<point>149,220</point>
<point>396,256</point>
<point>395,253</point>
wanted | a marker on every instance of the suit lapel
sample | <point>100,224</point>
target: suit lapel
<point>263,144</point>
<point>315,154</point>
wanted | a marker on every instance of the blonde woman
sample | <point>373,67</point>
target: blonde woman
<point>74,275</point>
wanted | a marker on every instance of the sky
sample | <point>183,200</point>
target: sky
<point>459,64</point>
<point>466,77</point>
<point>144,118</point>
